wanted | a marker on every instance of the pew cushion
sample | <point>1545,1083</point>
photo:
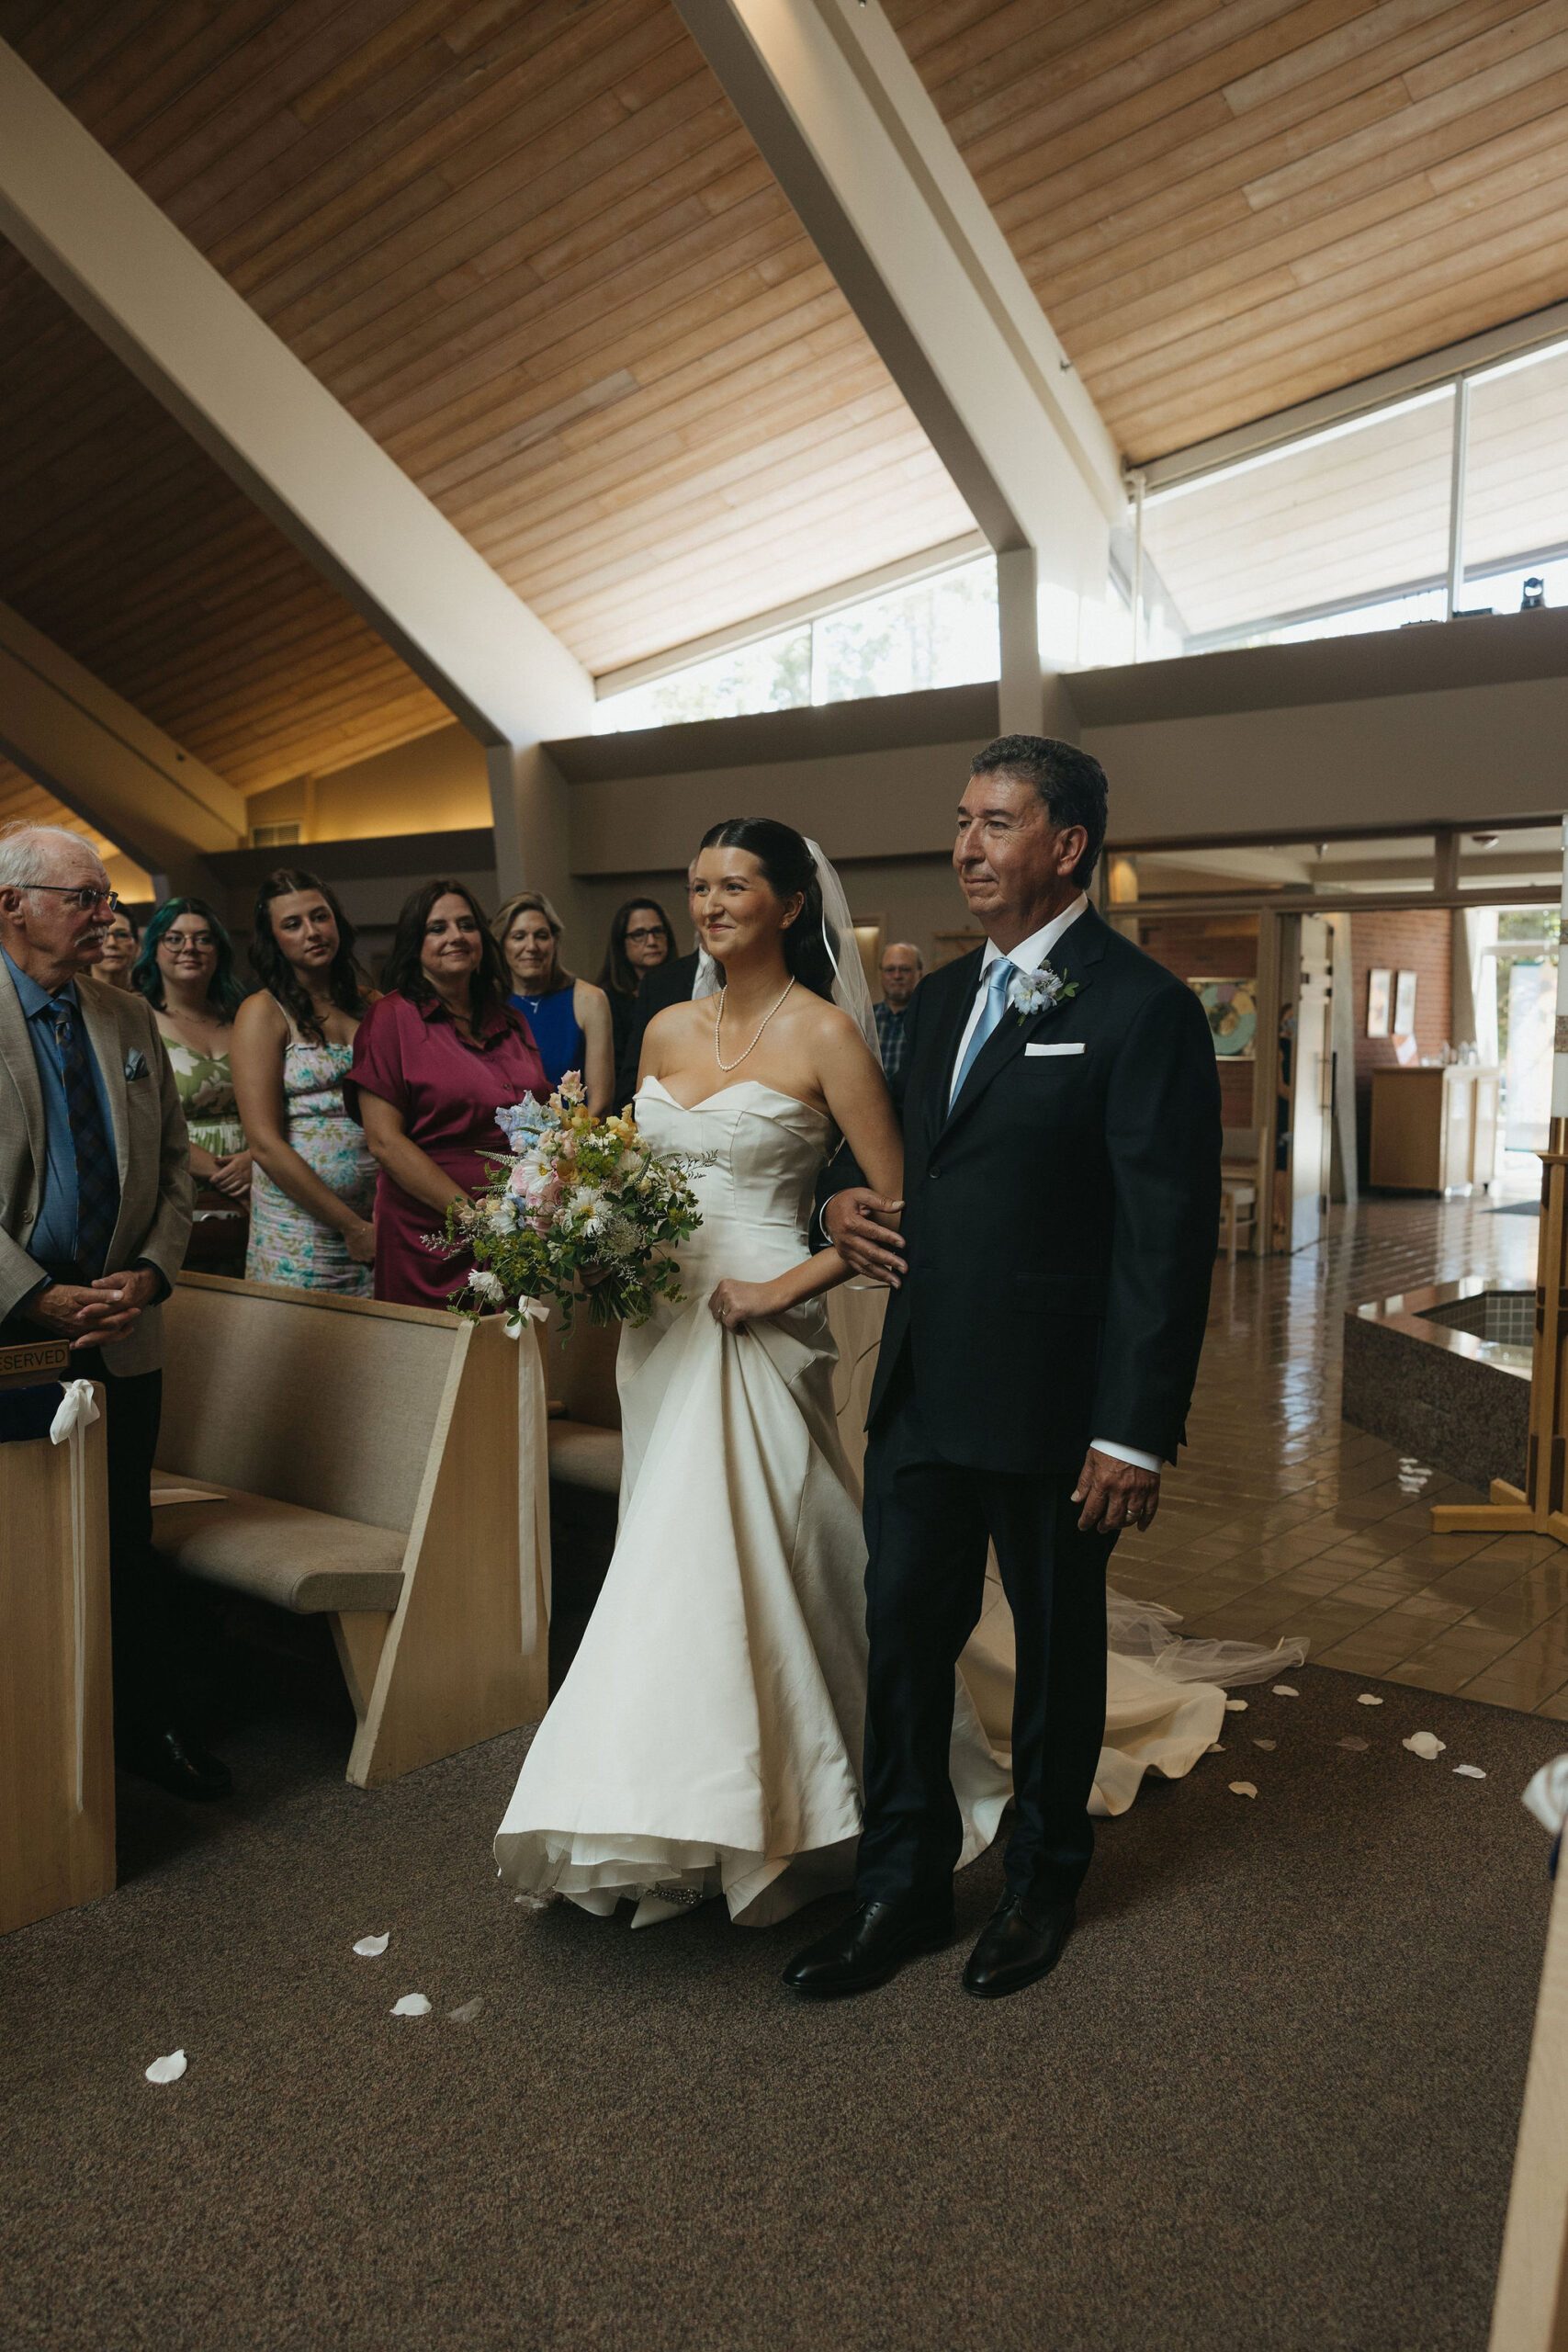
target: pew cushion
<point>308,1561</point>
<point>583,1455</point>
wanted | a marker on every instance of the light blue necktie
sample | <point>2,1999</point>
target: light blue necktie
<point>990,1014</point>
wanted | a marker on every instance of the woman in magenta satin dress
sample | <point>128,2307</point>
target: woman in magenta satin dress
<point>433,1061</point>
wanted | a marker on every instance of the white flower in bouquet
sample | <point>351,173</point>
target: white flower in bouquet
<point>487,1286</point>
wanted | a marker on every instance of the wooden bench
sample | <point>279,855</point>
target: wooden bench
<point>1530,2314</point>
<point>366,1459</point>
<point>56,1732</point>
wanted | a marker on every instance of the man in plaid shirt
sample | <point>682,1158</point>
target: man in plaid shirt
<point>900,971</point>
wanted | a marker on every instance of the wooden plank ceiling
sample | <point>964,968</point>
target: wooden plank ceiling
<point>125,544</point>
<point>528,246</point>
<point>24,802</point>
<point>1228,209</point>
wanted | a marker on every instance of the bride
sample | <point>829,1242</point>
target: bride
<point>707,1739</point>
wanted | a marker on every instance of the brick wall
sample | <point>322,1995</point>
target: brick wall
<point>1418,942</point>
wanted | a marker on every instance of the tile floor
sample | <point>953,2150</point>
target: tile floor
<point>1281,1519</point>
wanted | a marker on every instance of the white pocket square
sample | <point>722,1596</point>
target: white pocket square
<point>1030,1050</point>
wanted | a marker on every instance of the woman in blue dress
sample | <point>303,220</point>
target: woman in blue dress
<point>570,1018</point>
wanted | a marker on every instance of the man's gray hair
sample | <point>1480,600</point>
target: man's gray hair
<point>894,945</point>
<point>28,852</point>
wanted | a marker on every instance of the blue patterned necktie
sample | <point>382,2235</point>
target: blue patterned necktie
<point>97,1187</point>
<point>990,1014</point>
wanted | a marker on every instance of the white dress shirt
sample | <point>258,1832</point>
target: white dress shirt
<point>1028,956</point>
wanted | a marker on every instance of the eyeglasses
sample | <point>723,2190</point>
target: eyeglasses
<point>83,900</point>
<point>640,938</point>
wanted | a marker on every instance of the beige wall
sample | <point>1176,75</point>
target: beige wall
<point>1403,761</point>
<point>437,784</point>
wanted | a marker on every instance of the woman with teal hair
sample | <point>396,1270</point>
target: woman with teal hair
<point>186,969</point>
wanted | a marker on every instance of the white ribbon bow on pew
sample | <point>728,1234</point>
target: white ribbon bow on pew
<point>78,1408</point>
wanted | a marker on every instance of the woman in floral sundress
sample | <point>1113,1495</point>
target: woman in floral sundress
<point>312,1193</point>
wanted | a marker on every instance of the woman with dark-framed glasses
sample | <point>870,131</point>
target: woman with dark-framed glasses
<point>640,940</point>
<point>186,970</point>
<point>122,941</point>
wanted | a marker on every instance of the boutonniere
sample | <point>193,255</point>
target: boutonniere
<point>1032,992</point>
<point>136,1063</point>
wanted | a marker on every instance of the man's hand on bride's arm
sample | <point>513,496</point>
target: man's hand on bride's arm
<point>737,1303</point>
<point>855,1222</point>
<point>1114,1495</point>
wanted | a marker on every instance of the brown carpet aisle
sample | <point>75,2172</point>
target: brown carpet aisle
<point>1269,2100</point>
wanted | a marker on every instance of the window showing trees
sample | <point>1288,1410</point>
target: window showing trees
<point>940,631</point>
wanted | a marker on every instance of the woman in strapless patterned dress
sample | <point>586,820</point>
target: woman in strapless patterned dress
<point>313,1187</point>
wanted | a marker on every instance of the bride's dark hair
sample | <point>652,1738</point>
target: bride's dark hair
<point>789,870</point>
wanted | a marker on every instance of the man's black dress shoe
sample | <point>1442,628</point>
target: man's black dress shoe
<point>865,1949</point>
<point>1021,1940</point>
<point>173,1762</point>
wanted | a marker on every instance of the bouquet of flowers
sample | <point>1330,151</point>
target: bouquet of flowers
<point>580,1208</point>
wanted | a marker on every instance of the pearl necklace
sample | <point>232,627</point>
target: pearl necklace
<point>718,1025</point>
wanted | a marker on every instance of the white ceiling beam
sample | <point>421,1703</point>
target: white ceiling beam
<point>182,331</point>
<point>844,120</point>
<point>156,802</point>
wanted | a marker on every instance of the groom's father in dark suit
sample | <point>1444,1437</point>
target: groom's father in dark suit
<point>1062,1182</point>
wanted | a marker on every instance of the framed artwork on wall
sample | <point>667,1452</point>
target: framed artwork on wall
<point>1380,991</point>
<point>1404,1005</point>
<point>1231,1010</point>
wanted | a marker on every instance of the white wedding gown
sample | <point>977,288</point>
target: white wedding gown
<point>708,1737</point>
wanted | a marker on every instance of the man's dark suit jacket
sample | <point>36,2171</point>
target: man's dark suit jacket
<point>1061,1219</point>
<point>668,983</point>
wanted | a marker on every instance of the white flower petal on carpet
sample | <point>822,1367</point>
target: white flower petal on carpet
<point>1214,1748</point>
<point>1269,1744</point>
<point>372,1947</point>
<point>1368,1699</point>
<point>1469,1772</point>
<point>1358,1745</point>
<point>1425,1744</point>
<point>413,2005</point>
<point>467,2013</point>
<point>1286,1690</point>
<point>169,2069</point>
<point>1236,1706</point>
<point>1243,1789</point>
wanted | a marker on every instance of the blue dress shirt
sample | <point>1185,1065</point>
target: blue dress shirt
<point>53,1244</point>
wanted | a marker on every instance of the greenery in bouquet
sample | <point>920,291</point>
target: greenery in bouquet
<point>580,1210</point>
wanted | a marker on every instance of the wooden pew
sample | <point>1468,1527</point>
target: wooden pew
<point>1530,2314</point>
<point>367,1463</point>
<point>56,1839</point>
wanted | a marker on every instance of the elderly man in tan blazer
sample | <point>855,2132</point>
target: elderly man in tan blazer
<point>95,1215</point>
